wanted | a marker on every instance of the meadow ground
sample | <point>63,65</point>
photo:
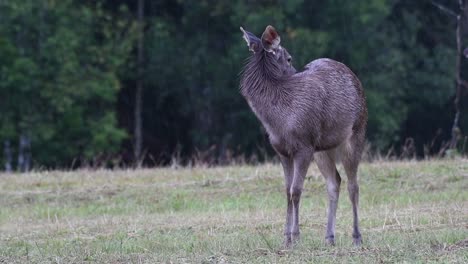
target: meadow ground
<point>413,212</point>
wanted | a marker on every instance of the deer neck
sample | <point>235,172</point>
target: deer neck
<point>262,80</point>
<point>266,90</point>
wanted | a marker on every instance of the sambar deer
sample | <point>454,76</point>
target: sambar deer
<point>317,114</point>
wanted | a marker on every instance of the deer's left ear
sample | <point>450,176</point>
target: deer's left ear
<point>270,39</point>
<point>252,41</point>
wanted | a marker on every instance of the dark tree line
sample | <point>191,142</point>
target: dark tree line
<point>114,82</point>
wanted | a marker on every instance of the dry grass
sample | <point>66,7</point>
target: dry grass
<point>411,212</point>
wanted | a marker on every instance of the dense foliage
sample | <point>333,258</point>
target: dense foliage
<point>68,73</point>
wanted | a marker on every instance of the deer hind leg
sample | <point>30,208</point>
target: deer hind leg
<point>350,164</point>
<point>326,164</point>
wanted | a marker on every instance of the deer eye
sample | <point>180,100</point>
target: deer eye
<point>289,59</point>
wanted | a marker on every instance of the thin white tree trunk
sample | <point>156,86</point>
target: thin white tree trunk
<point>24,153</point>
<point>8,156</point>
<point>139,89</point>
<point>463,5</point>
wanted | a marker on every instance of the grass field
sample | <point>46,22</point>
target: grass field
<point>415,212</point>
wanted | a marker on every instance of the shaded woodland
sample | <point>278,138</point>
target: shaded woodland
<point>118,83</point>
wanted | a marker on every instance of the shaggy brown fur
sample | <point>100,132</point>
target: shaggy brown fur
<point>319,113</point>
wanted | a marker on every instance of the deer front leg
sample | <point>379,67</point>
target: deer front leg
<point>288,169</point>
<point>302,161</point>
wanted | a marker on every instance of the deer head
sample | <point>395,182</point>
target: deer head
<point>269,47</point>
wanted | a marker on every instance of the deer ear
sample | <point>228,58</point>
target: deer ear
<point>270,39</point>
<point>252,41</point>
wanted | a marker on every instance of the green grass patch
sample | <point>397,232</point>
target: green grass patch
<point>414,212</point>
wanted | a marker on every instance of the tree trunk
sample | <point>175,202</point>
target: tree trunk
<point>8,156</point>
<point>459,85</point>
<point>24,153</point>
<point>139,89</point>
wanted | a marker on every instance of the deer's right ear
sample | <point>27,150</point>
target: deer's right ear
<point>252,41</point>
<point>270,39</point>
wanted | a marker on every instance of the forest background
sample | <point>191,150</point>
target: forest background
<point>120,82</point>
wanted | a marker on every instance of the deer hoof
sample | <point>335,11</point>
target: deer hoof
<point>295,237</point>
<point>357,241</point>
<point>287,244</point>
<point>330,241</point>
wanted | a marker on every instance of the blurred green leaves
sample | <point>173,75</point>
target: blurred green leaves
<point>58,80</point>
<point>68,71</point>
